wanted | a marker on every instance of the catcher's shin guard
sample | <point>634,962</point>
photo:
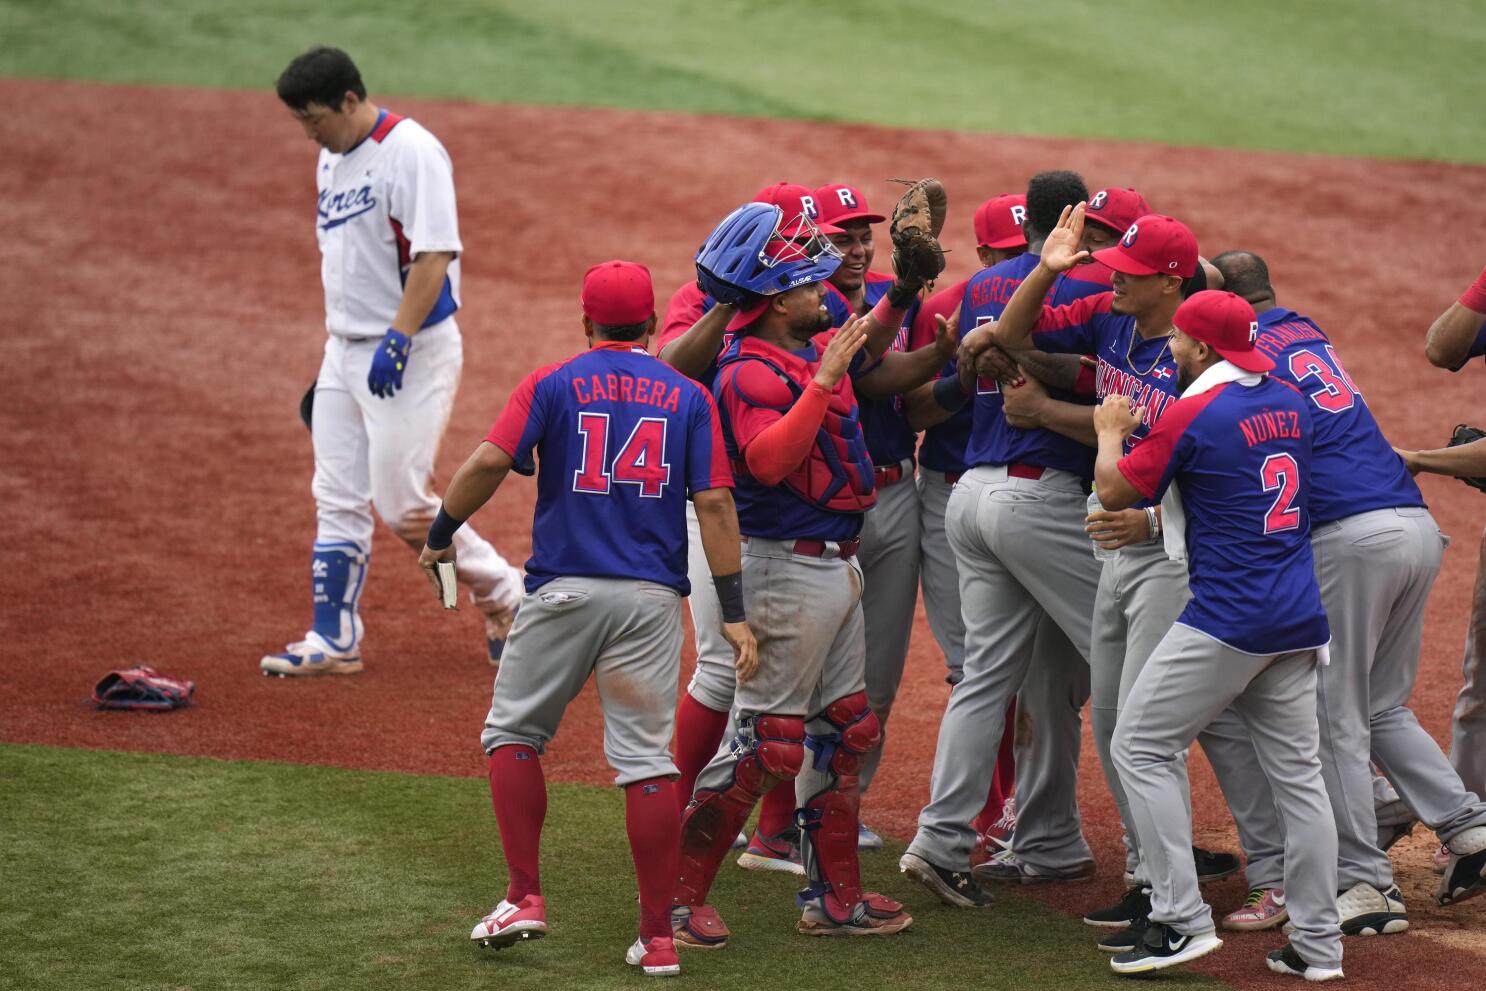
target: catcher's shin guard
<point>828,818</point>
<point>766,750</point>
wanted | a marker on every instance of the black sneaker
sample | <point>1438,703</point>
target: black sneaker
<point>955,888</point>
<point>1287,961</point>
<point>1214,866</point>
<point>1134,904</point>
<point>1162,946</point>
<point>1127,939</point>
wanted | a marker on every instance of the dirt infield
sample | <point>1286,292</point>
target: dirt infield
<point>163,283</point>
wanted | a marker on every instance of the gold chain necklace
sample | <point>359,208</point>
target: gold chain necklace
<point>1130,349</point>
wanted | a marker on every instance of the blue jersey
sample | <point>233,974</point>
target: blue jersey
<point>1241,458</point>
<point>1353,468</point>
<point>992,440</point>
<point>889,439</point>
<point>622,439</point>
<point>1139,368</point>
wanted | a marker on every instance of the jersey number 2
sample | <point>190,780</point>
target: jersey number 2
<point>1281,475</point>
<point>641,460</point>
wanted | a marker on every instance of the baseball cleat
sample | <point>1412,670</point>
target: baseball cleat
<point>1263,909</point>
<point>1465,871</point>
<point>307,658</point>
<point>1214,866</point>
<point>1000,831</point>
<point>1162,946</point>
<point>957,888</point>
<point>775,853</point>
<point>508,923</point>
<point>1127,939</point>
<point>867,840</point>
<point>1440,859</point>
<point>741,841</point>
<point>1134,904</point>
<point>1369,911</point>
<point>656,955</point>
<point>1007,868</point>
<point>1287,961</point>
<point>698,927</point>
<point>874,915</point>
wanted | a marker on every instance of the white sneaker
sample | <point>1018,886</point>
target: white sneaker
<point>1465,870</point>
<point>1367,911</point>
<point>307,658</point>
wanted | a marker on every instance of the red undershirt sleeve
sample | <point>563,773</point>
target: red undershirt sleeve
<point>779,448</point>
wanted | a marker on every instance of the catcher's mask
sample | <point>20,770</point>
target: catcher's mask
<point>755,249</point>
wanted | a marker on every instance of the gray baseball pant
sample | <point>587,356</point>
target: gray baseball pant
<point>1376,570</point>
<point>889,558</point>
<point>1188,681</point>
<point>1468,728</point>
<point>1022,557</point>
<point>1141,593</point>
<point>714,678</point>
<point>627,634</point>
<point>806,613</point>
<point>938,573</point>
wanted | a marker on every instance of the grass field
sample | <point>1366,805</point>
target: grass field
<point>127,871</point>
<point>1353,77</point>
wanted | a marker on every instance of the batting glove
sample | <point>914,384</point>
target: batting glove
<point>388,364</point>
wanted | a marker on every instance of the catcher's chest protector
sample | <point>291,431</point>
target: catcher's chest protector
<point>837,474</point>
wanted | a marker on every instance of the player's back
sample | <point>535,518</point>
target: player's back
<point>1353,467</point>
<point>1242,466</point>
<point>620,438</point>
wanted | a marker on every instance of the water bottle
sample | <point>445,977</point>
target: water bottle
<point>1095,506</point>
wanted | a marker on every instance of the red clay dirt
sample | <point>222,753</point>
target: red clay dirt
<point>162,278</point>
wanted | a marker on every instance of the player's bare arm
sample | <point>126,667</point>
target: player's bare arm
<point>1114,420</point>
<point>1450,337</point>
<point>421,291</point>
<point>472,486</point>
<point>1060,252</point>
<point>1028,406</point>
<point>692,352</point>
<point>717,518</point>
<point>1113,530</point>
<point>1463,461</point>
<point>896,372</point>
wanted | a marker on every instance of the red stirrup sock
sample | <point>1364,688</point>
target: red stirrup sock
<point>698,734</point>
<point>776,812</point>
<point>518,792</point>
<point>655,843</point>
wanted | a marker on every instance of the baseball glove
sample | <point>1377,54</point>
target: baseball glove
<point>142,688</point>
<point>918,217</point>
<point>1465,434</point>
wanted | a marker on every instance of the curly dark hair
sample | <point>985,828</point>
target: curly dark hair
<point>1047,194</point>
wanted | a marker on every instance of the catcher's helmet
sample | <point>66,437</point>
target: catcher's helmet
<point>747,256</point>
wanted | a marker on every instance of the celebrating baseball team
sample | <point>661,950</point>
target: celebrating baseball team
<point>1120,473</point>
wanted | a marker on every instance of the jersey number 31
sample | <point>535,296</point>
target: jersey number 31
<point>641,460</point>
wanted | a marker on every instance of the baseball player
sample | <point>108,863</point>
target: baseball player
<point>389,247</point>
<point>622,440</point>
<point>1026,578</point>
<point>1141,591</point>
<point>1456,336</point>
<point>998,237</point>
<point>1378,551</point>
<point>1237,445</point>
<point>693,335</point>
<point>804,482</point>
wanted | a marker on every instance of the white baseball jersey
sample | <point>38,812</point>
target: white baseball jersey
<point>382,203</point>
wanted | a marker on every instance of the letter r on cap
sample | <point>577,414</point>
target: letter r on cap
<point>1253,331</point>
<point>844,195</point>
<point>807,203</point>
<point>1018,214</point>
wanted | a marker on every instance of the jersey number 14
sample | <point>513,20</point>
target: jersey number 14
<point>641,460</point>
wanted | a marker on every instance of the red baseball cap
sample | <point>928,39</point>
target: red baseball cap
<point>1225,323</point>
<point>839,203</point>
<point>998,221</point>
<point>618,294</point>
<point>1154,244</point>
<point>1116,208</point>
<point>794,200</point>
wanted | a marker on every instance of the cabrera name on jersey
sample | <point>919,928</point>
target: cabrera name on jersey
<point>622,440</point>
<point>386,200</point>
